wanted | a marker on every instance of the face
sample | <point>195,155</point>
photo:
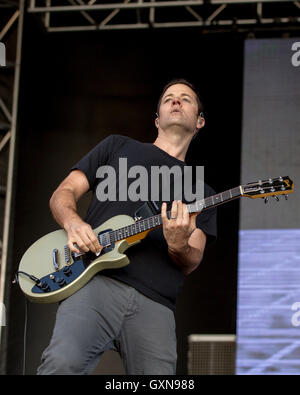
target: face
<point>179,107</point>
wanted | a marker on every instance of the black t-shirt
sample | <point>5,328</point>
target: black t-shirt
<point>151,270</point>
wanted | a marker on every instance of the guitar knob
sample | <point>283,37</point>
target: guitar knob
<point>67,271</point>
<point>60,281</point>
<point>277,198</point>
<point>44,286</point>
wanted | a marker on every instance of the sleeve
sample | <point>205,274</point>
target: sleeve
<point>207,220</point>
<point>98,156</point>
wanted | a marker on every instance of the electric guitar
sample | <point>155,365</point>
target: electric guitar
<point>49,272</point>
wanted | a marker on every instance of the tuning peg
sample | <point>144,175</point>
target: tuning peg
<point>266,200</point>
<point>286,197</point>
<point>277,198</point>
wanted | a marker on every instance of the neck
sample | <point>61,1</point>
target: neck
<point>174,144</point>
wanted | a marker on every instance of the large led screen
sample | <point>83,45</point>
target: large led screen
<point>268,314</point>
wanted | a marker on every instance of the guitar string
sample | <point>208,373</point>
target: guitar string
<point>156,220</point>
<point>130,230</point>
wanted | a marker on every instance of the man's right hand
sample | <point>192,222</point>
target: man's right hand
<point>82,234</point>
<point>63,207</point>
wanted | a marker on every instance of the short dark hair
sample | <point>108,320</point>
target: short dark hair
<point>184,82</point>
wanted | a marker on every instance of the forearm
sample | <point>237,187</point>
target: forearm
<point>187,258</point>
<point>81,236</point>
<point>63,207</point>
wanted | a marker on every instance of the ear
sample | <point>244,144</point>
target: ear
<point>156,122</point>
<point>200,122</point>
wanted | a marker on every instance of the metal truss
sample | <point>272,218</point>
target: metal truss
<point>211,15</point>
<point>11,28</point>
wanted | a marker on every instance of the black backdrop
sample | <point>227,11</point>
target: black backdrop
<point>77,88</point>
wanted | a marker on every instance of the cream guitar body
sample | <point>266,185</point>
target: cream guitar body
<point>71,273</point>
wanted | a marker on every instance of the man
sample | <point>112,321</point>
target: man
<point>130,309</point>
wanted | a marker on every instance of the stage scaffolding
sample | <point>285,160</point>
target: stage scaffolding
<point>211,15</point>
<point>11,32</point>
<point>247,16</point>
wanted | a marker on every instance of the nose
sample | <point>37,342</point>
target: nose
<point>176,100</point>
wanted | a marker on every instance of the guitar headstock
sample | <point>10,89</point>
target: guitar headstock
<point>270,187</point>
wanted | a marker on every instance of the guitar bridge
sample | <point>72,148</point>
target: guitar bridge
<point>67,254</point>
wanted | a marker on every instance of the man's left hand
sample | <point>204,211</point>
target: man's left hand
<point>178,229</point>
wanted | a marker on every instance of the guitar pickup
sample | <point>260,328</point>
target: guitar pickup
<point>104,238</point>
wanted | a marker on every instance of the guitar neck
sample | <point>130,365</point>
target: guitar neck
<point>215,200</point>
<point>155,221</point>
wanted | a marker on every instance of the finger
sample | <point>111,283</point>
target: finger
<point>72,246</point>
<point>76,241</point>
<point>83,244</point>
<point>193,221</point>
<point>83,238</point>
<point>95,247</point>
<point>91,242</point>
<point>88,244</point>
<point>174,210</point>
<point>179,211</point>
<point>186,215</point>
<point>164,211</point>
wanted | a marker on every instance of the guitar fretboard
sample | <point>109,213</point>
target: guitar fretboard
<point>156,220</point>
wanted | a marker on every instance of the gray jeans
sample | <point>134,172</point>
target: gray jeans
<point>109,315</point>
